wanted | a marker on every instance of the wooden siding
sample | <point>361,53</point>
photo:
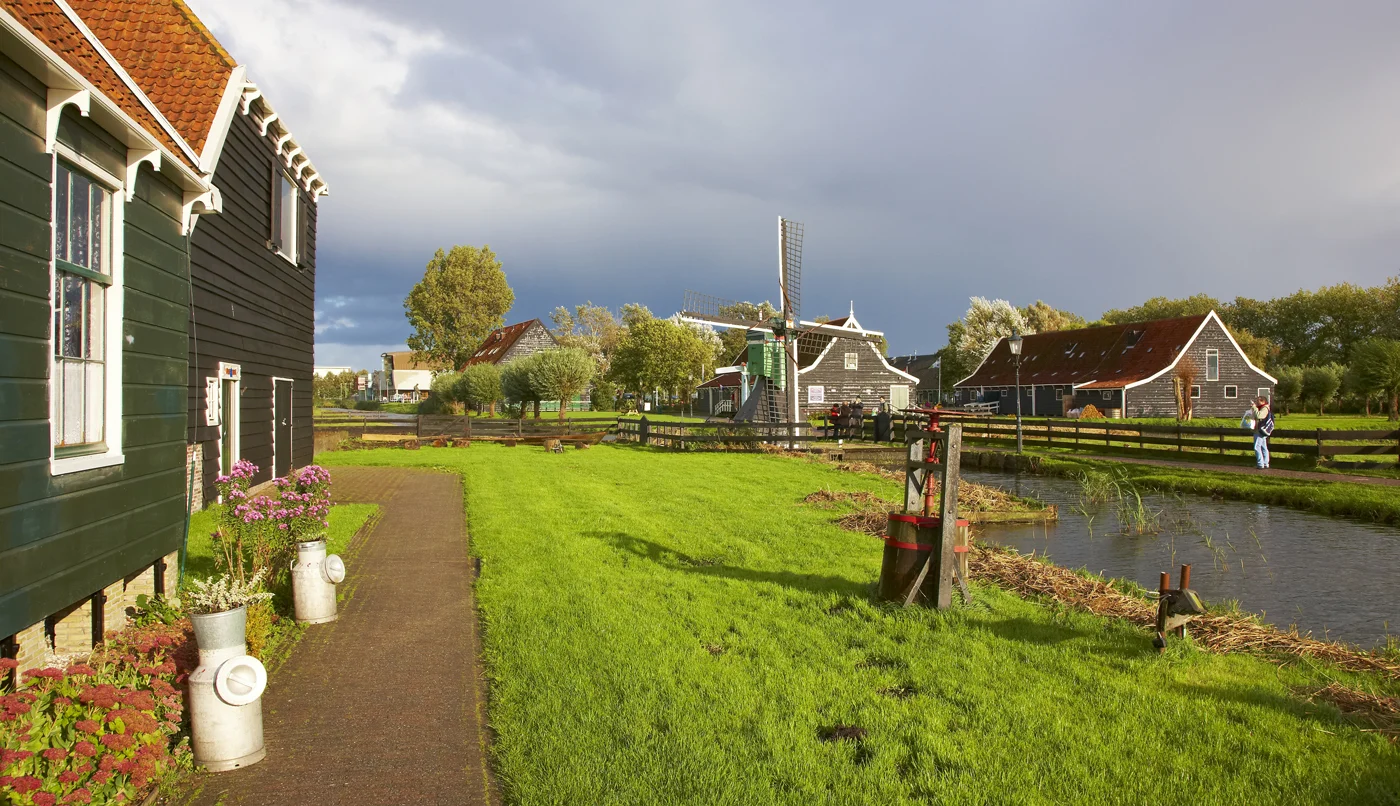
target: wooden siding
<point>64,538</point>
<point>535,339</point>
<point>869,381</point>
<point>251,306</point>
<point>1157,398</point>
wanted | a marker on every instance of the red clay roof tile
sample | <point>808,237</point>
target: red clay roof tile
<point>498,342</point>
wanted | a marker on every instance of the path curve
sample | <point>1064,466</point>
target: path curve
<point>386,705</point>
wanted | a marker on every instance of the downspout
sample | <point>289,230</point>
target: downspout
<point>189,467</point>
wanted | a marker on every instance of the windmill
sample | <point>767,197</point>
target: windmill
<point>774,398</point>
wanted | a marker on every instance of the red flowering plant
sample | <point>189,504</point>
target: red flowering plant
<point>104,731</point>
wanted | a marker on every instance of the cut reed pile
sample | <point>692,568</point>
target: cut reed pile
<point>1381,713</point>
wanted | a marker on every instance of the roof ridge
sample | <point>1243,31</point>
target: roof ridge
<point>204,31</point>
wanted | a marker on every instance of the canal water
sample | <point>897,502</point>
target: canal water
<point>1337,579</point>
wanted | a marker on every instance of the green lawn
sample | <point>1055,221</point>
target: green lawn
<point>667,628</point>
<point>345,519</point>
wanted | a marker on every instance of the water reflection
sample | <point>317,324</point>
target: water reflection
<point>1335,578</point>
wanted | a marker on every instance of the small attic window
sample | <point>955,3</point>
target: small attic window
<point>1070,350</point>
<point>1133,337</point>
<point>1149,349</point>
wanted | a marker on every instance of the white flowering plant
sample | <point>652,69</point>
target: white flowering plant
<point>222,594</point>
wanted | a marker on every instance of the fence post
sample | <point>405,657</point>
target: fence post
<point>1222,443</point>
<point>1049,432</point>
<point>1318,460</point>
<point>643,430</point>
<point>1178,438</point>
<point>1076,432</point>
<point>418,426</point>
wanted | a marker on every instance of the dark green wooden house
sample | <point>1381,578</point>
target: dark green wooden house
<point>113,118</point>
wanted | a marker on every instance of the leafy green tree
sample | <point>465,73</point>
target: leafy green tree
<point>1261,351</point>
<point>1378,362</point>
<point>658,354</point>
<point>733,341</point>
<point>1289,389</point>
<point>1357,388</point>
<point>516,383</point>
<point>445,391</point>
<point>561,374</point>
<point>592,328</point>
<point>604,395</point>
<point>1041,317</point>
<point>1163,308</point>
<point>334,387</point>
<point>479,386</point>
<point>1320,385</point>
<point>462,297</point>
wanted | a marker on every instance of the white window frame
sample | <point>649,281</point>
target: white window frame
<point>287,243</point>
<point>816,394</point>
<point>1195,391</point>
<point>1106,394</point>
<point>852,360</point>
<point>1265,392</point>
<point>1232,392</point>
<point>115,312</point>
<point>1215,354</point>
<point>231,418</point>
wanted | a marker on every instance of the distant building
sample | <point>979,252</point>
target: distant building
<point>1123,370</point>
<point>402,378</point>
<point>928,369</point>
<point>513,341</point>
<point>321,371</point>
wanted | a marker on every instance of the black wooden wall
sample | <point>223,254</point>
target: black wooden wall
<point>251,306</point>
<point>63,538</point>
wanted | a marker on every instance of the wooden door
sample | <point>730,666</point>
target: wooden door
<point>281,427</point>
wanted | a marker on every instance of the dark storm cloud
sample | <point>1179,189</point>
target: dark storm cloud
<point>1090,154</point>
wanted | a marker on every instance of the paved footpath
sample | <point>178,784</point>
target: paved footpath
<point>387,704</point>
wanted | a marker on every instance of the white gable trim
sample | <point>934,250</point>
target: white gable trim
<point>873,348</point>
<point>218,132</point>
<point>980,363</point>
<point>1182,352</point>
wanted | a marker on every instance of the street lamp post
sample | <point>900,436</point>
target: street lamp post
<point>1015,345</point>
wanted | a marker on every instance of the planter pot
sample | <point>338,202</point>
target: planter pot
<point>225,694</point>
<point>314,577</point>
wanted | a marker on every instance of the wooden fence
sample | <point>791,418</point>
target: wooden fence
<point>444,425</point>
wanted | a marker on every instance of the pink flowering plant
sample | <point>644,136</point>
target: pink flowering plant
<point>257,534</point>
<point>304,503</point>
<point>103,731</point>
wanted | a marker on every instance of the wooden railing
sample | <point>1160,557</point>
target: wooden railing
<point>733,436</point>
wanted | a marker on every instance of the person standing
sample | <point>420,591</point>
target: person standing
<point>843,421</point>
<point>858,420</point>
<point>832,418</point>
<point>1263,416</point>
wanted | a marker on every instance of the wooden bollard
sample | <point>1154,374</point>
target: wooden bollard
<point>1185,583</point>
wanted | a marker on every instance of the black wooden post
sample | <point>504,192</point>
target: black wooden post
<point>643,430</point>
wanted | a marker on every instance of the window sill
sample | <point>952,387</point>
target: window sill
<point>91,461</point>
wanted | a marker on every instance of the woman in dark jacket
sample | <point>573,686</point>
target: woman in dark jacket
<point>843,421</point>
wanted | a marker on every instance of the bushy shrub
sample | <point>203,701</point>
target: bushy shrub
<point>433,405</point>
<point>604,395</point>
<point>479,386</point>
<point>104,731</point>
<point>368,405</point>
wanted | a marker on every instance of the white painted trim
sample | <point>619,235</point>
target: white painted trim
<point>223,119</point>
<point>313,184</point>
<point>195,203</point>
<point>231,420</point>
<point>185,176</point>
<point>1191,341</point>
<point>873,348</point>
<point>127,79</point>
<point>58,100</point>
<point>980,363</point>
<point>115,311</point>
<point>134,158</point>
<point>291,421</point>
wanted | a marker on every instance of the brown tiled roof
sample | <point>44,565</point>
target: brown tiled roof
<point>170,55</point>
<point>403,360</point>
<point>498,342</point>
<point>721,381</point>
<point>1106,357</point>
<point>48,22</point>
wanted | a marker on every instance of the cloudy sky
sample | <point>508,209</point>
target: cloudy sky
<point>1090,154</point>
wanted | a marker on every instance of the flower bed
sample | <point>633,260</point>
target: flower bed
<point>104,731</point>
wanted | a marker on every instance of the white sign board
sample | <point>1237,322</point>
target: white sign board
<point>213,402</point>
<point>816,394</point>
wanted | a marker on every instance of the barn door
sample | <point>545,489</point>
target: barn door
<point>899,397</point>
<point>281,427</point>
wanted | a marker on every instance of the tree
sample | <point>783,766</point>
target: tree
<point>1042,318</point>
<point>1378,362</point>
<point>560,374</point>
<point>658,354</point>
<point>517,386</point>
<point>1289,389</point>
<point>1260,351</point>
<point>604,395</point>
<point>1163,308</point>
<point>592,328</point>
<point>445,391</point>
<point>479,386</point>
<point>634,312</point>
<point>1183,378</point>
<point>462,297</point>
<point>334,387</point>
<point>986,322</point>
<point>1320,385</point>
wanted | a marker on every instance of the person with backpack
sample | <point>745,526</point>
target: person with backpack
<point>1263,416</point>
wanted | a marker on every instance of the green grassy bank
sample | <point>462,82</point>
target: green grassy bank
<point>669,628</point>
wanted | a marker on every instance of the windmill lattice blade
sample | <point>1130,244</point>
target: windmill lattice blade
<point>721,311</point>
<point>792,269</point>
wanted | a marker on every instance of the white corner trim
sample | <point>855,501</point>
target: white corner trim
<point>235,93</point>
<point>209,202</point>
<point>250,94</point>
<point>266,122</point>
<point>127,79</point>
<point>1180,354</point>
<point>888,366</point>
<point>315,185</point>
<point>58,100</point>
<point>134,158</point>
